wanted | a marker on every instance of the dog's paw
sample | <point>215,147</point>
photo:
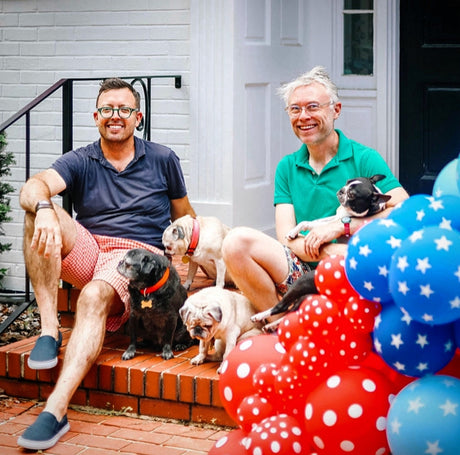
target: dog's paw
<point>187,285</point>
<point>198,359</point>
<point>129,353</point>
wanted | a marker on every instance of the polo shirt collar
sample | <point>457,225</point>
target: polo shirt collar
<point>96,151</point>
<point>344,152</point>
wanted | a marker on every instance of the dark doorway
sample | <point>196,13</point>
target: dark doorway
<point>429,90</point>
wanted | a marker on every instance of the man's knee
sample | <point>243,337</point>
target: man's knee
<point>96,298</point>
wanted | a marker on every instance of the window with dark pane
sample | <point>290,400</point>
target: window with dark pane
<point>358,37</point>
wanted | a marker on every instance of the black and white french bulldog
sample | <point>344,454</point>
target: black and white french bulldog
<point>358,198</point>
<point>156,297</point>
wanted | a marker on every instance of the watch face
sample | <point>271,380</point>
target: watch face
<point>346,219</point>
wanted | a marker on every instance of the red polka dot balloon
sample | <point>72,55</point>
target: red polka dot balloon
<point>252,410</point>
<point>361,313</point>
<point>319,315</point>
<point>263,380</point>
<point>330,279</point>
<point>346,414</point>
<point>290,329</point>
<point>237,370</point>
<point>230,444</point>
<point>280,435</point>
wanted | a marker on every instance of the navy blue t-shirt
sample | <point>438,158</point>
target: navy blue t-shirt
<point>134,203</point>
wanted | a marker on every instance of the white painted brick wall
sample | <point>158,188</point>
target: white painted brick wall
<point>42,41</point>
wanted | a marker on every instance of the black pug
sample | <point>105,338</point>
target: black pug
<point>156,296</point>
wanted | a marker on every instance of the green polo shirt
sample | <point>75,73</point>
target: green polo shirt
<point>314,195</point>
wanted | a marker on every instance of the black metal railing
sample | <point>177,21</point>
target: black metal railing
<point>67,86</point>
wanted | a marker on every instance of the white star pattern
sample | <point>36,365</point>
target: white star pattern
<point>402,287</point>
<point>420,215</point>
<point>353,263</point>
<point>426,290</point>
<point>402,263</point>
<point>448,346</point>
<point>399,366</point>
<point>365,250</point>
<point>416,235</point>
<point>387,222</point>
<point>378,346</point>
<point>394,242</point>
<point>446,224</point>
<point>415,405</point>
<point>436,204</point>
<point>423,265</point>
<point>457,273</point>
<point>355,240</point>
<point>422,366</point>
<point>396,340</point>
<point>449,408</point>
<point>422,340</point>
<point>368,285</point>
<point>455,304</point>
<point>443,243</point>
<point>427,317</point>
<point>377,321</point>
<point>395,426</point>
<point>406,318</point>
<point>383,270</point>
<point>433,448</point>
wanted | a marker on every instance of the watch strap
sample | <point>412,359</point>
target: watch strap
<point>43,205</point>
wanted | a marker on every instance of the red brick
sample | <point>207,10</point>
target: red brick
<point>160,408</point>
<point>121,374</point>
<point>170,378</point>
<point>211,415</point>
<point>99,442</point>
<point>113,402</point>
<point>17,388</point>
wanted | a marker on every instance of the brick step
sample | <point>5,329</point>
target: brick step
<point>146,385</point>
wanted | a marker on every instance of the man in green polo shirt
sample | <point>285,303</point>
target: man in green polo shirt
<point>306,183</point>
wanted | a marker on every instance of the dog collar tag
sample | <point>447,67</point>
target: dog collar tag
<point>185,259</point>
<point>146,304</point>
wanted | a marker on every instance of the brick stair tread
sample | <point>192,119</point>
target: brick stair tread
<point>146,384</point>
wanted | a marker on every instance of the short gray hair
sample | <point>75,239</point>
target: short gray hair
<point>317,74</point>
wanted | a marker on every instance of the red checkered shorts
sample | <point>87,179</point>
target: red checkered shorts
<point>95,257</point>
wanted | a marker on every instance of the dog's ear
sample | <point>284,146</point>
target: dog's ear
<point>376,178</point>
<point>184,313</point>
<point>178,233</point>
<point>146,265</point>
<point>380,197</point>
<point>215,311</point>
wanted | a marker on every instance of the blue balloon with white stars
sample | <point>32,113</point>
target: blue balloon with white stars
<point>447,180</point>
<point>425,275</point>
<point>421,210</point>
<point>410,347</point>
<point>424,418</point>
<point>368,259</point>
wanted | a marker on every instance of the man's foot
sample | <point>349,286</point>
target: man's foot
<point>44,354</point>
<point>44,433</point>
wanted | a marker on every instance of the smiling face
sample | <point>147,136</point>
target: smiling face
<point>116,129</point>
<point>314,128</point>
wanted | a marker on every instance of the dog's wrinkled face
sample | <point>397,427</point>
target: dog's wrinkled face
<point>201,323</point>
<point>361,197</point>
<point>176,237</point>
<point>140,266</point>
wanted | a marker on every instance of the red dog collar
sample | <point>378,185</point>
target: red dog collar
<point>157,285</point>
<point>194,239</point>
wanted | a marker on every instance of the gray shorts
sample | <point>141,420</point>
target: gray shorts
<point>297,268</point>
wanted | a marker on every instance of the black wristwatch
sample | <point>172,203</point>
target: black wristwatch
<point>346,220</point>
<point>43,205</point>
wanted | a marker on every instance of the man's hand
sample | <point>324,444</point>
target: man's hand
<point>320,235</point>
<point>47,238</point>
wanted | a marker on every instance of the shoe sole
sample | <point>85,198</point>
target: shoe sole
<point>42,445</point>
<point>42,365</point>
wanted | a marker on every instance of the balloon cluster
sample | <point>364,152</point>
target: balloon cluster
<point>369,365</point>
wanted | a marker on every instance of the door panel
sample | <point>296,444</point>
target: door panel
<point>429,91</point>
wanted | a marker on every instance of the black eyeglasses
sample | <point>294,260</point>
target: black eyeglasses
<point>123,112</point>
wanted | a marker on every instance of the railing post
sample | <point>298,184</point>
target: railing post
<point>67,129</point>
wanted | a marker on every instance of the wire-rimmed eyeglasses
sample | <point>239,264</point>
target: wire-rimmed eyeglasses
<point>123,111</point>
<point>294,110</point>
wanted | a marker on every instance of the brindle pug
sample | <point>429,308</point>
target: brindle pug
<point>156,296</point>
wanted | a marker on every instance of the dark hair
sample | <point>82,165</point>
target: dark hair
<point>115,83</point>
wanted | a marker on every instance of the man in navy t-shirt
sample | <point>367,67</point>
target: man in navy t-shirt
<point>125,192</point>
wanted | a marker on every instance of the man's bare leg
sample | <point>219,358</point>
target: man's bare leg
<point>85,344</point>
<point>256,262</point>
